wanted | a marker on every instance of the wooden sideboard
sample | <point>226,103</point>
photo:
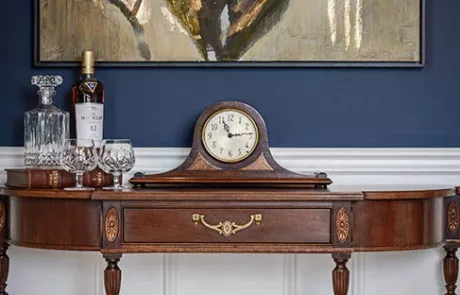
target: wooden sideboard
<point>339,221</point>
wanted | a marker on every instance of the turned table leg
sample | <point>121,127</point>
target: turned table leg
<point>450,265</point>
<point>112,274</point>
<point>341,274</point>
<point>4,268</point>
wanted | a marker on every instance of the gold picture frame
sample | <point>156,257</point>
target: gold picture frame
<point>266,33</point>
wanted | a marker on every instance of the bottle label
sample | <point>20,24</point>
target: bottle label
<point>89,121</point>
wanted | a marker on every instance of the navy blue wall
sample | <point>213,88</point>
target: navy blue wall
<point>302,107</point>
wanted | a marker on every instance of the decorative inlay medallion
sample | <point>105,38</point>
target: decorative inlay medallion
<point>452,216</point>
<point>112,224</point>
<point>2,216</point>
<point>342,225</point>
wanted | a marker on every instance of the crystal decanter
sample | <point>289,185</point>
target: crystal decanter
<point>46,127</point>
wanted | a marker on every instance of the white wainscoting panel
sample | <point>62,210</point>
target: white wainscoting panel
<point>229,274</point>
<point>415,272</point>
<point>313,274</point>
<point>34,271</point>
<point>41,272</point>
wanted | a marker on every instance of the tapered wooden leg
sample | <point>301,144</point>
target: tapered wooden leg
<point>341,274</point>
<point>4,268</point>
<point>450,264</point>
<point>112,274</point>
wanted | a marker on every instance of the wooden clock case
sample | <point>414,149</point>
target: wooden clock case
<point>258,169</point>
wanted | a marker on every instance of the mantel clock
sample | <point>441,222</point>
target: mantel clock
<point>230,148</point>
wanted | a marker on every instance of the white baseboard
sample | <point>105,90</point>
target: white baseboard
<point>417,272</point>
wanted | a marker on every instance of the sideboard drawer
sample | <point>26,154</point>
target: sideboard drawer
<point>151,225</point>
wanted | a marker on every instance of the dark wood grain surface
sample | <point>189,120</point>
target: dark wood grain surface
<point>380,219</point>
<point>216,194</point>
<point>339,220</point>
<point>45,193</point>
<point>277,226</point>
<point>339,193</point>
<point>55,223</point>
<point>397,223</point>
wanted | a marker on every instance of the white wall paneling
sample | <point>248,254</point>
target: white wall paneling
<point>398,273</point>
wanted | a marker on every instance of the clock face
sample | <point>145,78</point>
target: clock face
<point>230,135</point>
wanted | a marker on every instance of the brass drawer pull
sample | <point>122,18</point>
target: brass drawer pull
<point>227,228</point>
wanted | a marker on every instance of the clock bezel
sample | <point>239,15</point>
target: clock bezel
<point>212,116</point>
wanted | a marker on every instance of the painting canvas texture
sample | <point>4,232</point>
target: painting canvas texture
<point>230,30</point>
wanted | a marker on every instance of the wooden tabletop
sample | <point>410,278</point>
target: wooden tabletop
<point>334,193</point>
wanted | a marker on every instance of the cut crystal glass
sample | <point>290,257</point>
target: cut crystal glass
<point>79,156</point>
<point>46,127</point>
<point>116,156</point>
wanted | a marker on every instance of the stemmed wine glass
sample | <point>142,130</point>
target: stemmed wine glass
<point>116,156</point>
<point>78,156</point>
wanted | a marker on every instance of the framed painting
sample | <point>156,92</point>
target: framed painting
<point>299,33</point>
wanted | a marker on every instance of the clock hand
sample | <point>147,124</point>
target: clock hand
<point>227,128</point>
<point>244,133</point>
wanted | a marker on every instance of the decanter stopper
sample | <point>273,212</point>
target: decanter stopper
<point>46,81</point>
<point>46,85</point>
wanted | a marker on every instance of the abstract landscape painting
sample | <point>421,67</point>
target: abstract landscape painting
<point>158,32</point>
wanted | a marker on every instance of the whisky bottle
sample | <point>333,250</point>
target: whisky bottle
<point>88,102</point>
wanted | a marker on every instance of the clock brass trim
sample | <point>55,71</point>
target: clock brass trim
<point>205,125</point>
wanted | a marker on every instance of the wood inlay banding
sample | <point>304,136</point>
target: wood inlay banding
<point>112,224</point>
